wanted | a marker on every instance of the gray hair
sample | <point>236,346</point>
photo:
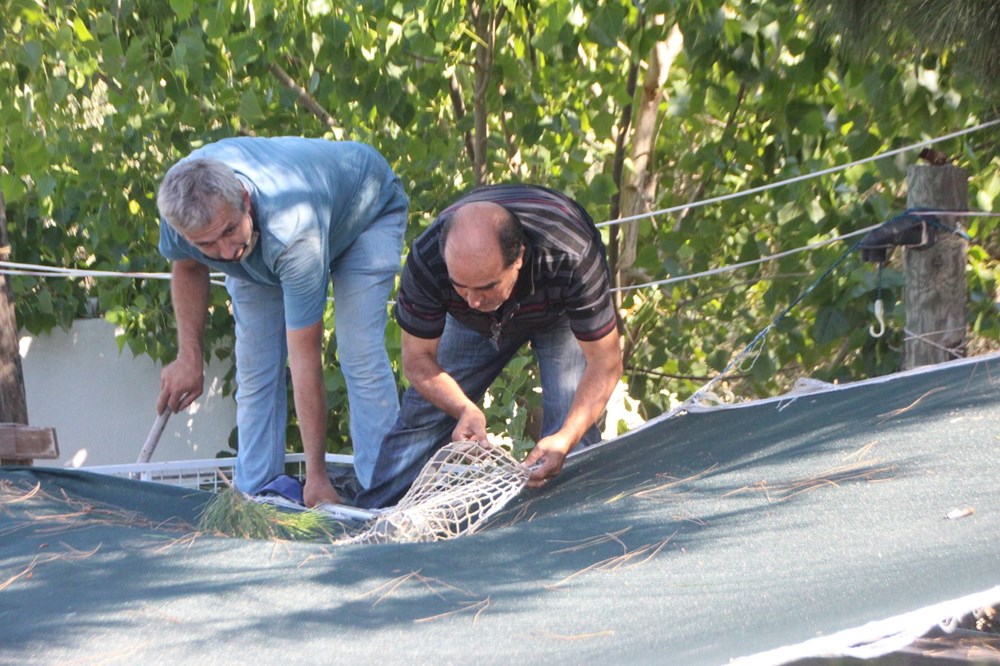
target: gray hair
<point>193,190</point>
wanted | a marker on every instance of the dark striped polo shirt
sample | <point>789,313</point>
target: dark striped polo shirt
<point>564,273</point>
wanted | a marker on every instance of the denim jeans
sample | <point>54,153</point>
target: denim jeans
<point>363,278</point>
<point>474,362</point>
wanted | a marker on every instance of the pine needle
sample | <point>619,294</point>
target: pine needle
<point>229,513</point>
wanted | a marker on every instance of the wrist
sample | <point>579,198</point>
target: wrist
<point>468,409</point>
<point>189,354</point>
<point>561,441</point>
<point>313,474</point>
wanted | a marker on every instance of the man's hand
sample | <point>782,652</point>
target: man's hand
<point>549,453</point>
<point>318,489</point>
<point>471,425</point>
<point>181,383</point>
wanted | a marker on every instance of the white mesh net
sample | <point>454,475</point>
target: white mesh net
<point>456,491</point>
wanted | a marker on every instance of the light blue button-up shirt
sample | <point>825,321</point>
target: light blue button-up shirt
<point>311,199</point>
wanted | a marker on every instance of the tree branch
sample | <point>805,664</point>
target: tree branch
<point>304,97</point>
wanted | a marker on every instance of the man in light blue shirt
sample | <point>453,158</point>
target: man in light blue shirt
<point>282,217</point>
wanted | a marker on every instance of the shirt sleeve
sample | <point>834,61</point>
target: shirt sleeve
<point>590,307</point>
<point>418,310</point>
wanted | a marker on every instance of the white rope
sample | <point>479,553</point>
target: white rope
<point>38,270</point>
<point>796,179</point>
<point>26,273</point>
<point>11,268</point>
<point>15,268</point>
<point>733,267</point>
<point>952,213</point>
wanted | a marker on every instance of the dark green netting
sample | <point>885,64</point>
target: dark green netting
<point>694,540</point>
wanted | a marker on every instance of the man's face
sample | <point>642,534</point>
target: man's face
<point>228,236</point>
<point>482,281</point>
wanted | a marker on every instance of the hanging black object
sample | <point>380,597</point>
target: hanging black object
<point>913,229</point>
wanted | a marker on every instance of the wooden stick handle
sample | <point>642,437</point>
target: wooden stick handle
<point>154,436</point>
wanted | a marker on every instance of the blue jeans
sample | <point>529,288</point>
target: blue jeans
<point>363,278</point>
<point>474,362</point>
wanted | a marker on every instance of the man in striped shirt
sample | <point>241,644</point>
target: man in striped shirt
<point>503,266</point>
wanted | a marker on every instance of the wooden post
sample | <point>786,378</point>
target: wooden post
<point>13,404</point>
<point>935,294</point>
<point>20,444</point>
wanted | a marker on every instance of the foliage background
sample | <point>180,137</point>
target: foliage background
<point>99,98</point>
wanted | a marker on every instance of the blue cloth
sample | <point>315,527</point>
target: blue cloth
<point>284,486</point>
<point>474,362</point>
<point>324,210</point>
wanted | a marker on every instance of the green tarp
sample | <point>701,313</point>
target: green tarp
<point>699,539</point>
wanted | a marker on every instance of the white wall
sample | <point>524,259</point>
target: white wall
<point>103,404</point>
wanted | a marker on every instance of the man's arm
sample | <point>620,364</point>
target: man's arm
<point>421,368</point>
<point>183,380</point>
<point>604,369</point>
<point>305,358</point>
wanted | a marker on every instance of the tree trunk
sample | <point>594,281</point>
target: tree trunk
<point>13,404</point>
<point>638,185</point>
<point>483,19</point>
<point>935,292</point>
<point>621,141</point>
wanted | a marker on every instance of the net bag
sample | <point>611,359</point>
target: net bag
<point>459,488</point>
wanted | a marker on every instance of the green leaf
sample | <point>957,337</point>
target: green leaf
<point>30,54</point>
<point>43,302</point>
<point>182,8</point>
<point>82,33</point>
<point>605,26</point>
<point>114,56</point>
<point>249,107</point>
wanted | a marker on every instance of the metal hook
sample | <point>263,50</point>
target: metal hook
<point>880,318</point>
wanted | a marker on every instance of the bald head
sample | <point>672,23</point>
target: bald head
<point>482,230</point>
<point>482,245</point>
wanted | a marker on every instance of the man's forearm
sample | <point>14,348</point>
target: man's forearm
<point>310,409</point>
<point>427,377</point>
<point>604,369</point>
<point>589,403</point>
<point>189,295</point>
<point>438,388</point>
<point>305,361</point>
